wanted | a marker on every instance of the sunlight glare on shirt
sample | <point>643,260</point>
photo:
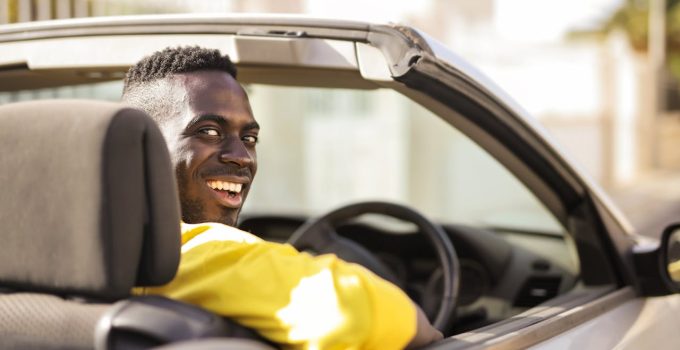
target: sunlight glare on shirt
<point>211,232</point>
<point>313,309</point>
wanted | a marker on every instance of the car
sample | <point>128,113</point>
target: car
<point>378,144</point>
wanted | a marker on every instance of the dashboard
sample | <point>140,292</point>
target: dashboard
<point>502,272</point>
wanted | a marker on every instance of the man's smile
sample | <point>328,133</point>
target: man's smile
<point>228,193</point>
<point>225,186</point>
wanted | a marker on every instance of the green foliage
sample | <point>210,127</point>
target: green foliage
<point>673,27</point>
<point>673,62</point>
<point>633,18</point>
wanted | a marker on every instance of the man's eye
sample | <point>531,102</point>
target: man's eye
<point>250,139</point>
<point>209,132</point>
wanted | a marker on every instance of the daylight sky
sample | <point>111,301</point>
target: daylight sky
<point>516,19</point>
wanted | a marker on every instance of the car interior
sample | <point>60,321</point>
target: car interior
<point>323,147</point>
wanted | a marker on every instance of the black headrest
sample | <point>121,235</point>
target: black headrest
<point>88,200</point>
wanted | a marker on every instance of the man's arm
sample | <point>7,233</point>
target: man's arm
<point>293,298</point>
<point>425,333</point>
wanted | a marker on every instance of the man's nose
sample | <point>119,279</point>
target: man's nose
<point>234,151</point>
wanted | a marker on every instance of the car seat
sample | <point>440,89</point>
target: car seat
<point>89,210</point>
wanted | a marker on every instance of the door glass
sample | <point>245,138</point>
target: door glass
<point>322,148</point>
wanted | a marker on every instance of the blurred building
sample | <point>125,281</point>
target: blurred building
<point>594,96</point>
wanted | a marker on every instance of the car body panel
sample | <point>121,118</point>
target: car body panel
<point>653,323</point>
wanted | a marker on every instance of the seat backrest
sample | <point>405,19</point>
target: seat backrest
<point>89,203</point>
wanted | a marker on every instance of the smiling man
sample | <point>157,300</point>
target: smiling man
<point>289,297</point>
<point>215,153</point>
<point>207,122</point>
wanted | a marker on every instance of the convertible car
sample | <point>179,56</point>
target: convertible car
<point>378,144</point>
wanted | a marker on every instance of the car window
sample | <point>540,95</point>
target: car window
<point>321,148</point>
<point>109,91</point>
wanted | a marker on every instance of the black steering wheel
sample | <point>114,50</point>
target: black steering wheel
<point>319,235</point>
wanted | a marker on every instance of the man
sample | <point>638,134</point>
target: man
<point>289,297</point>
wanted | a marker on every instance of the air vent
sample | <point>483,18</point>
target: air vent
<point>537,290</point>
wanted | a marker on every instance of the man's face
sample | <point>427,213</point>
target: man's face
<point>212,143</point>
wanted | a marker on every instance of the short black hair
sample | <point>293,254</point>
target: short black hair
<point>175,60</point>
<point>143,87</point>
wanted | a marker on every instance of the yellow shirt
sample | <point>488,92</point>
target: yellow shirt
<point>291,298</point>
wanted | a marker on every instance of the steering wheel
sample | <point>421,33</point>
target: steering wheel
<point>319,235</point>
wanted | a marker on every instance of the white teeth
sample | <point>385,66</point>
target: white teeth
<point>225,186</point>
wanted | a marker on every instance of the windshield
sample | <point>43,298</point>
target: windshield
<point>322,148</point>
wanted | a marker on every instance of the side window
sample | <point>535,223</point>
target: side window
<point>324,148</point>
<point>321,148</point>
<point>109,91</point>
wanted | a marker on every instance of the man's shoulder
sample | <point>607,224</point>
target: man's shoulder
<point>197,234</point>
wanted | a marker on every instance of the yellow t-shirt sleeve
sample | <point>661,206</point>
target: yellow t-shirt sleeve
<point>291,298</point>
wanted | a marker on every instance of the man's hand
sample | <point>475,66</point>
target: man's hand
<point>425,333</point>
